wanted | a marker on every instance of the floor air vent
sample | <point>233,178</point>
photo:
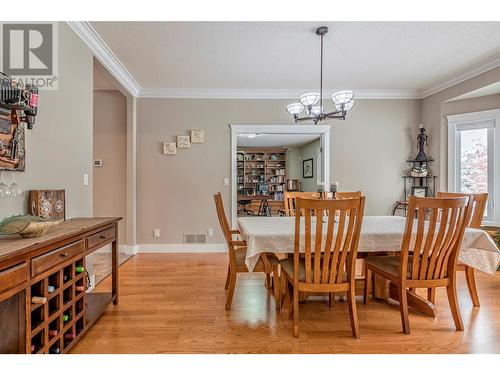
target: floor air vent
<point>195,238</point>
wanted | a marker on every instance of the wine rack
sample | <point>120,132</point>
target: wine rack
<point>57,321</point>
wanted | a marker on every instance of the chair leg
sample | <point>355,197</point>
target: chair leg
<point>228,276</point>
<point>431,295</point>
<point>277,287</point>
<point>471,284</point>
<point>353,314</point>
<point>230,292</point>
<point>451,289</point>
<point>331,297</point>
<point>295,312</point>
<point>403,306</point>
<point>368,284</point>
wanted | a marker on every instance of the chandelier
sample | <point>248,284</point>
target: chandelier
<point>312,102</point>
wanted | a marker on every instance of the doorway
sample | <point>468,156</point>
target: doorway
<point>267,160</point>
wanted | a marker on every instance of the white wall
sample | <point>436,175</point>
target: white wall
<point>59,148</point>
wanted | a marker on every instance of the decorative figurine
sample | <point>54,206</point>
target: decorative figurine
<point>422,142</point>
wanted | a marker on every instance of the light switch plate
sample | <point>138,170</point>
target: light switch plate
<point>156,233</point>
<point>210,232</point>
<point>226,181</point>
<point>86,180</point>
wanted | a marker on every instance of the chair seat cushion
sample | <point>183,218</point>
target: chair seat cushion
<point>287,266</point>
<point>388,263</point>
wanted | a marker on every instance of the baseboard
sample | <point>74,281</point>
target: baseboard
<point>181,248</point>
<point>128,249</point>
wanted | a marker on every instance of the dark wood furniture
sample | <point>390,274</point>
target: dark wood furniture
<point>237,251</point>
<point>65,311</point>
<point>429,257</point>
<point>329,267</point>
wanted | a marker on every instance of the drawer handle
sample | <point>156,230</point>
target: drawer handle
<point>103,237</point>
<point>64,255</point>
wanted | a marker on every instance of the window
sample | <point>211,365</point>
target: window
<point>471,156</point>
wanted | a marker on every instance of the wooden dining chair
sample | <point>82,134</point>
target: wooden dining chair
<point>329,267</point>
<point>348,194</point>
<point>479,206</point>
<point>428,258</point>
<point>237,252</point>
<point>290,200</point>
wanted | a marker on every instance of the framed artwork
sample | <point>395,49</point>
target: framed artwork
<point>307,168</point>
<point>183,141</point>
<point>197,136</point>
<point>419,191</point>
<point>169,148</point>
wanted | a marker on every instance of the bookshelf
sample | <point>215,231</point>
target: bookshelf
<point>259,168</point>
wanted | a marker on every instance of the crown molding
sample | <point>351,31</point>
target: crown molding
<point>214,93</point>
<point>104,54</point>
<point>471,72</point>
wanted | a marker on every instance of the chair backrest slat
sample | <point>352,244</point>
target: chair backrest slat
<point>478,209</point>
<point>291,196</point>
<point>436,243</point>
<point>334,252</point>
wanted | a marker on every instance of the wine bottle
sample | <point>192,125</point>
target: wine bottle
<point>65,318</point>
<point>79,288</point>
<point>36,300</point>
<point>79,269</point>
<point>54,351</point>
<point>32,348</point>
<point>69,336</point>
<point>65,278</point>
<point>53,333</point>
<point>51,288</point>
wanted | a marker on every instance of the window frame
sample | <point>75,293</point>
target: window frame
<point>468,121</point>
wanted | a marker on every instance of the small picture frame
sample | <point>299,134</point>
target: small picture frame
<point>169,148</point>
<point>197,136</point>
<point>419,191</point>
<point>307,168</point>
<point>183,141</point>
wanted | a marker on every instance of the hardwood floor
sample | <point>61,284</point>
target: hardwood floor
<point>174,303</point>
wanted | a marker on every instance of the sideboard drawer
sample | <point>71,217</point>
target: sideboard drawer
<point>101,238</point>
<point>12,277</point>
<point>44,262</point>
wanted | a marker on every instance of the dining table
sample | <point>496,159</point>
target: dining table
<point>379,234</point>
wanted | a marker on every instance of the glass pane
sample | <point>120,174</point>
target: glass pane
<point>474,161</point>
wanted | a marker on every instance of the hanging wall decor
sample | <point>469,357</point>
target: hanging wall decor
<point>169,148</point>
<point>183,141</point>
<point>197,136</point>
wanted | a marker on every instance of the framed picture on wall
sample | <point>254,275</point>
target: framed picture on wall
<point>418,191</point>
<point>307,168</point>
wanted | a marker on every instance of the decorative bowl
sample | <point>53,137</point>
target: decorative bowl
<point>27,226</point>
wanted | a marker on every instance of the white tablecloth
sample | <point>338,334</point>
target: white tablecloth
<point>379,233</point>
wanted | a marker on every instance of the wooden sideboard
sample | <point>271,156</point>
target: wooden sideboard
<point>29,266</point>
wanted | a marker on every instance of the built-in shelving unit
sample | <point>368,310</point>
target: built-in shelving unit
<point>261,168</point>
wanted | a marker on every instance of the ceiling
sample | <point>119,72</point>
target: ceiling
<point>276,140</point>
<point>285,55</point>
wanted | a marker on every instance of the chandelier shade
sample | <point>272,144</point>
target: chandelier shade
<point>294,108</point>
<point>312,102</point>
<point>342,97</point>
<point>310,98</point>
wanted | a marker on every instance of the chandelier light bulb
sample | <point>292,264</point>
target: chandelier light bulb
<point>315,110</point>
<point>294,108</point>
<point>309,98</point>
<point>345,107</point>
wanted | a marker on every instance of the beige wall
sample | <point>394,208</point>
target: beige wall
<point>482,103</point>
<point>310,151</point>
<point>59,148</point>
<point>293,163</point>
<point>110,145</point>
<point>435,121</point>
<point>174,192</point>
